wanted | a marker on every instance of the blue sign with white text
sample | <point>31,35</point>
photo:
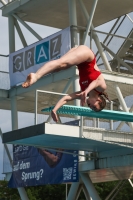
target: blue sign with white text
<point>38,166</point>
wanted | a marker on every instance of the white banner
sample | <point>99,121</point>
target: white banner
<point>31,58</point>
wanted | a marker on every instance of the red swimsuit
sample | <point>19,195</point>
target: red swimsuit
<point>87,73</point>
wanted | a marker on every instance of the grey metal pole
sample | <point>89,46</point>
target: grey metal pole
<point>3,2</point>
<point>111,121</point>
<point>74,41</point>
<point>89,186</point>
<point>87,196</point>
<point>122,123</point>
<point>66,191</point>
<point>82,153</point>
<point>122,102</point>
<point>23,193</point>
<point>28,27</point>
<point>11,34</point>
<point>73,21</point>
<point>14,115</point>
<point>36,99</point>
<point>114,189</point>
<point>73,191</point>
<point>79,191</point>
<point>95,37</point>
<point>90,21</point>
<point>7,149</point>
<point>20,34</point>
<point>117,57</point>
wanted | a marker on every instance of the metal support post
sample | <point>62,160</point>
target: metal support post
<point>90,39</point>
<point>11,34</point>
<point>117,57</point>
<point>87,196</point>
<point>115,188</point>
<point>73,191</point>
<point>111,121</point>
<point>118,190</point>
<point>78,192</point>
<point>97,122</point>
<point>36,101</point>
<point>82,153</point>
<point>73,21</point>
<point>7,149</point>
<point>74,39</point>
<point>122,123</point>
<point>89,186</point>
<point>21,191</point>
<point>28,27</point>
<point>129,18</point>
<point>122,102</point>
<point>76,87</point>
<point>95,37</point>
<point>20,34</point>
<point>90,21</point>
<point>130,182</point>
<point>3,2</point>
<point>14,115</point>
<point>23,194</point>
<point>66,191</point>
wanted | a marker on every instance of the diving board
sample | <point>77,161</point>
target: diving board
<point>64,137</point>
<point>87,112</point>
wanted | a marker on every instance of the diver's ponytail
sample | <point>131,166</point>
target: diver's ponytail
<point>105,95</point>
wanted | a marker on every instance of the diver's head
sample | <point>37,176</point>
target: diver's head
<point>98,103</point>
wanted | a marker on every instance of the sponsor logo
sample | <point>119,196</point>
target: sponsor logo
<point>84,82</point>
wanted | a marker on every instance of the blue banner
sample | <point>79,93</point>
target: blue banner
<point>38,166</point>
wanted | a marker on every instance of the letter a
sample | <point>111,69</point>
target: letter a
<point>41,54</point>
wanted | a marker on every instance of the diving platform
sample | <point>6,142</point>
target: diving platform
<point>109,160</point>
<point>64,137</point>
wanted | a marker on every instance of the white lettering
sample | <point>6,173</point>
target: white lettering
<point>28,58</point>
<point>55,43</point>
<point>41,54</point>
<point>20,63</point>
<point>32,175</point>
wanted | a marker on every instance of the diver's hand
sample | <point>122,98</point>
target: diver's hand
<point>54,116</point>
<point>82,96</point>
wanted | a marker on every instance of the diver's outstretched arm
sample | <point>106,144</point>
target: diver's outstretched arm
<point>62,101</point>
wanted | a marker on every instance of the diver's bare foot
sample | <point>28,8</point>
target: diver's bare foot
<point>31,78</point>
